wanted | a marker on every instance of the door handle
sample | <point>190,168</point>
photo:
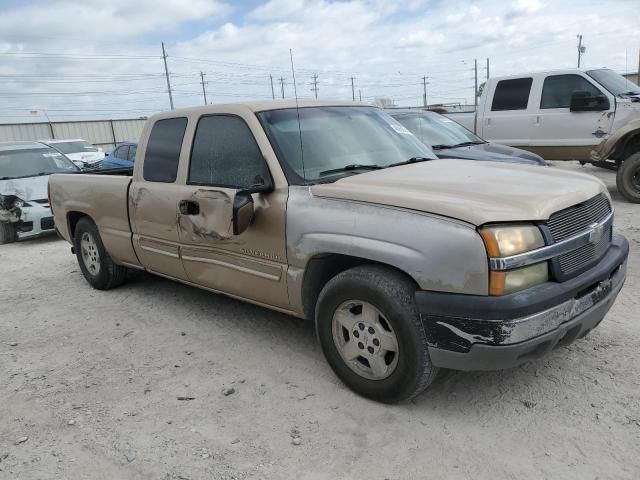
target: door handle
<point>189,207</point>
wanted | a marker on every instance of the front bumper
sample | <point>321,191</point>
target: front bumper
<point>468,332</point>
<point>35,220</point>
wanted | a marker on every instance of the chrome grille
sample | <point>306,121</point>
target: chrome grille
<point>576,219</point>
<point>580,257</point>
<point>573,220</point>
<point>88,167</point>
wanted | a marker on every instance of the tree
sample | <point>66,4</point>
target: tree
<point>384,102</point>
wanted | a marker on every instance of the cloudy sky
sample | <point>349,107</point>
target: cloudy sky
<point>85,59</point>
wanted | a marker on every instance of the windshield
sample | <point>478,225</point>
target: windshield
<point>436,130</point>
<point>33,162</point>
<point>74,147</point>
<point>333,138</point>
<point>614,82</point>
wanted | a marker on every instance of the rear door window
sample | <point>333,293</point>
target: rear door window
<point>512,94</point>
<point>163,150</point>
<point>132,153</point>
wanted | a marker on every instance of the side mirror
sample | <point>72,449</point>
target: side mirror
<point>242,211</point>
<point>261,185</point>
<point>582,101</point>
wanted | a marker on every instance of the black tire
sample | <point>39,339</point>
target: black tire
<point>7,233</point>
<point>392,294</point>
<point>109,274</point>
<point>628,178</point>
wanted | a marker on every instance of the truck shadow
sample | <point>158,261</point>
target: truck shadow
<point>451,391</point>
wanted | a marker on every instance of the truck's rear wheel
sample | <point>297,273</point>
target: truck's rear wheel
<point>628,178</point>
<point>371,334</point>
<point>7,233</point>
<point>97,266</point>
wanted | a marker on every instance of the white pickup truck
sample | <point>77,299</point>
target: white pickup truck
<point>587,115</point>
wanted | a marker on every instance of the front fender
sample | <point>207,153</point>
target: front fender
<point>439,253</point>
<point>616,142</point>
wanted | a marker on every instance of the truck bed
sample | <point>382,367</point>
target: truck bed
<point>104,198</point>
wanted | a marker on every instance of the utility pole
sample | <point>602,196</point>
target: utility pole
<point>166,72</point>
<point>487,69</point>
<point>424,91</point>
<point>315,85</point>
<point>360,95</point>
<point>475,95</point>
<point>203,83</point>
<point>353,91</point>
<point>273,93</point>
<point>282,86</point>
<point>581,49</point>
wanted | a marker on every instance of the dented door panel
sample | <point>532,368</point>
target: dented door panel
<point>251,265</point>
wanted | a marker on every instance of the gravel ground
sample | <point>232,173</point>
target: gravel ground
<point>163,381</point>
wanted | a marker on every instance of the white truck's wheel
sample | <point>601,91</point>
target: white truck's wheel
<point>7,233</point>
<point>628,178</point>
<point>371,334</point>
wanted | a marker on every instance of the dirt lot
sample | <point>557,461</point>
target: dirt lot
<point>90,388</point>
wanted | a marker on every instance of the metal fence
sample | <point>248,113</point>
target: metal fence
<point>102,133</point>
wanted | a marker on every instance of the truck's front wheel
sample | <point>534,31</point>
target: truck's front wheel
<point>370,332</point>
<point>97,266</point>
<point>628,178</point>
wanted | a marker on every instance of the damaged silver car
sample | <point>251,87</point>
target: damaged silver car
<point>24,174</point>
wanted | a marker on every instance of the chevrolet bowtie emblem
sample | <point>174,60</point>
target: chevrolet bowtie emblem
<point>596,232</point>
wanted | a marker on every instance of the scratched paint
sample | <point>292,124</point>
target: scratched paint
<point>213,222</point>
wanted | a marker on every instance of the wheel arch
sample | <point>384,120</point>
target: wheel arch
<point>626,145</point>
<point>322,267</point>
<point>73,217</point>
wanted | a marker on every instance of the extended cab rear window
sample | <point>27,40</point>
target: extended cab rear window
<point>163,150</point>
<point>512,94</point>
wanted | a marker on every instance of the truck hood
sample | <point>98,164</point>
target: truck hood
<point>475,192</point>
<point>29,188</point>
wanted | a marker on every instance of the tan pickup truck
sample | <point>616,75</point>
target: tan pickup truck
<point>337,214</point>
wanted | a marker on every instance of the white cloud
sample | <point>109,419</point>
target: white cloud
<point>386,46</point>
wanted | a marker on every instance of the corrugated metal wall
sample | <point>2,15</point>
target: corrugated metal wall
<point>103,133</point>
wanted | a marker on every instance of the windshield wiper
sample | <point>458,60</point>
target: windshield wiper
<point>353,166</point>
<point>411,160</point>
<point>441,147</point>
<point>631,92</point>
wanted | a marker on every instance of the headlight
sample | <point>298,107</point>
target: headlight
<point>507,240</point>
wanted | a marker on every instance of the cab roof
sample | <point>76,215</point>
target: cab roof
<point>255,106</point>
